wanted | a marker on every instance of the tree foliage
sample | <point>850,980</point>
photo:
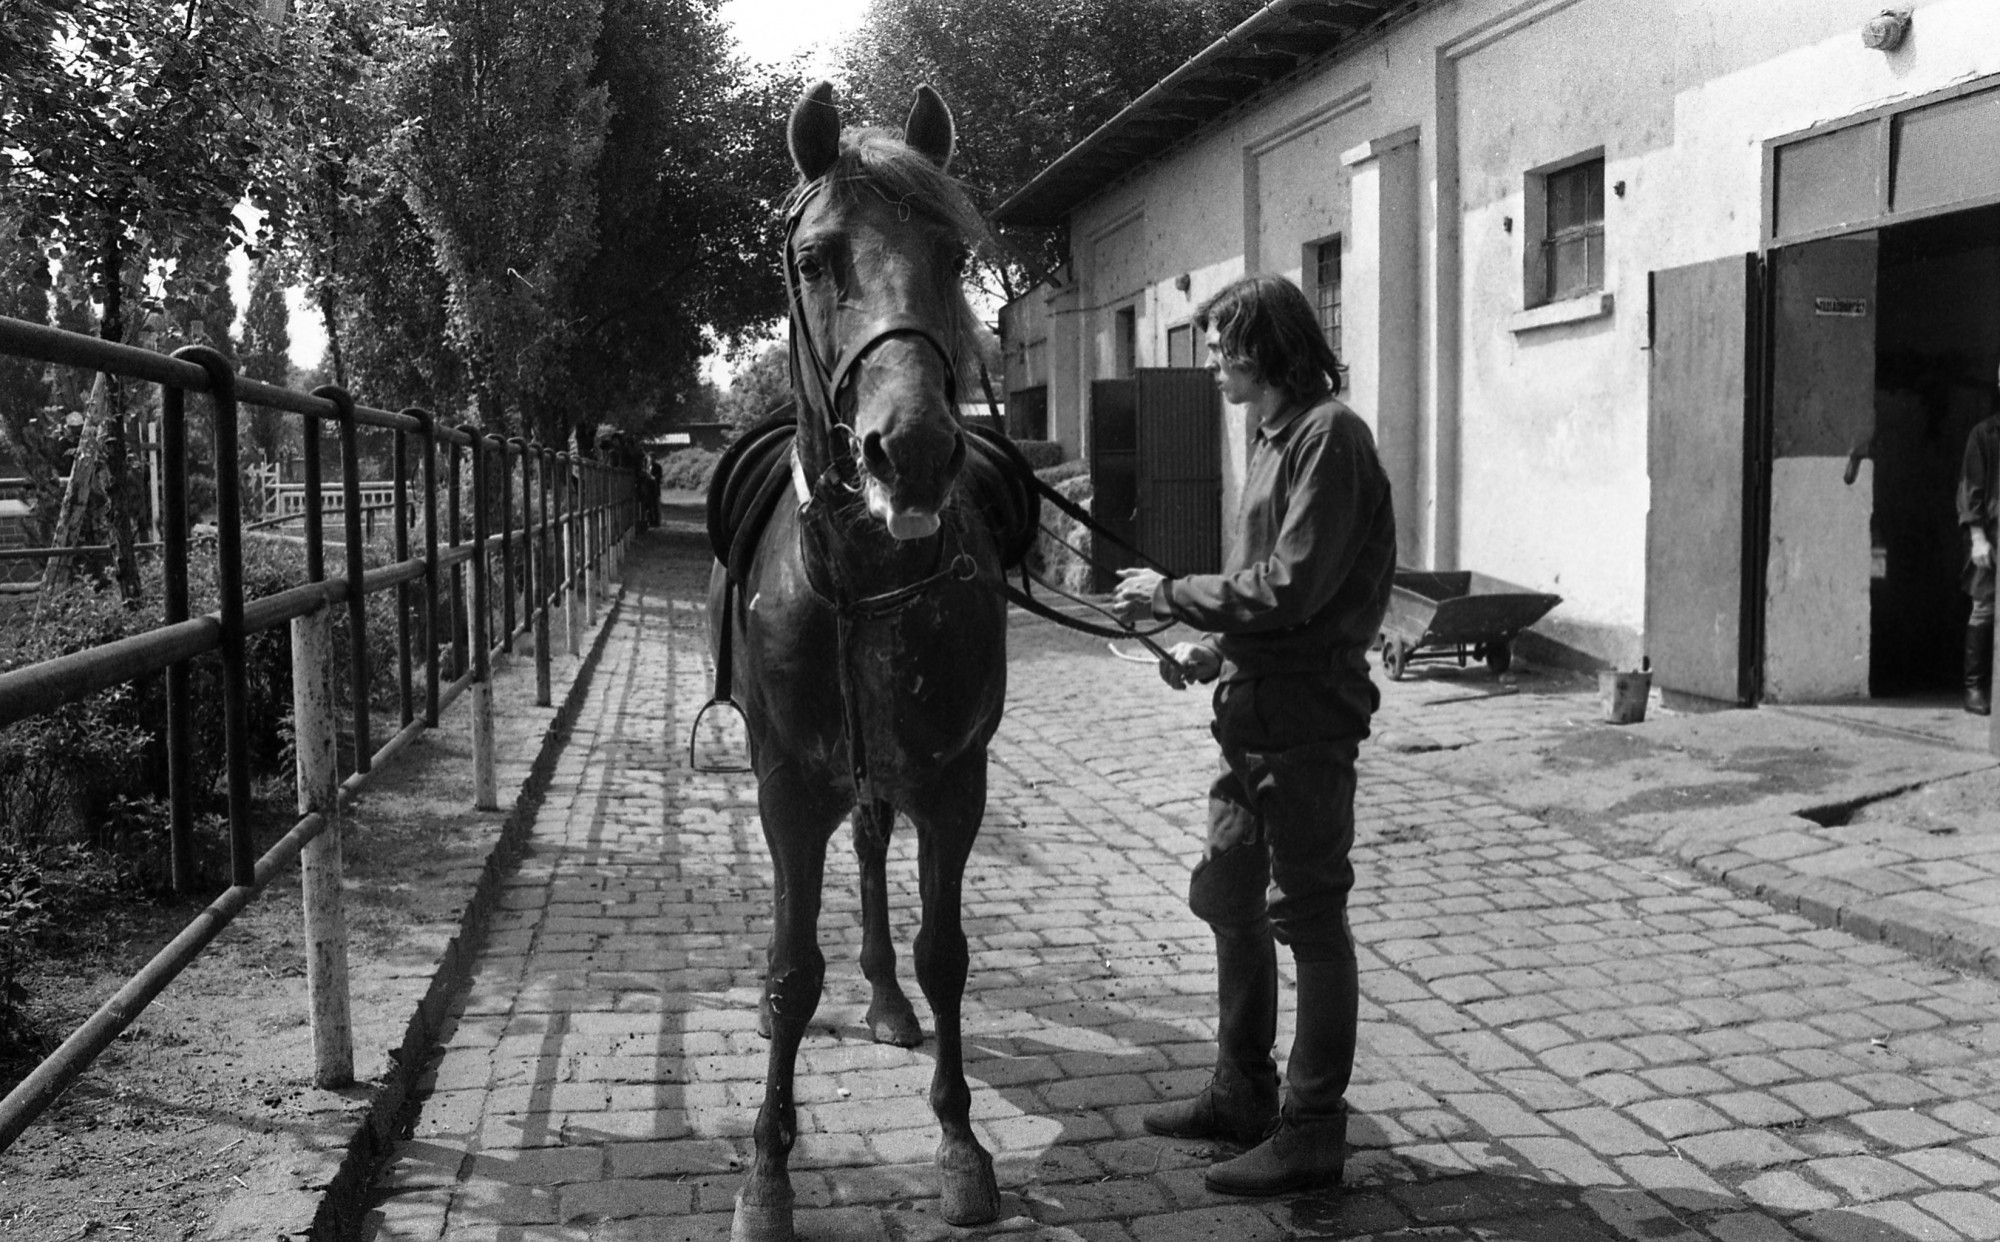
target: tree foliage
<point>539,214</point>
<point>693,167</point>
<point>132,129</point>
<point>503,134</point>
<point>1026,81</point>
<point>758,387</point>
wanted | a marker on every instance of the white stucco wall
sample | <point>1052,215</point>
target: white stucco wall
<point>1533,442</point>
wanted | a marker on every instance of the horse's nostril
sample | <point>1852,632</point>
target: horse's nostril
<point>876,457</point>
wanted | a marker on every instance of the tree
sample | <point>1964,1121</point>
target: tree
<point>26,416</point>
<point>133,126</point>
<point>1026,80</point>
<point>265,354</point>
<point>687,189</point>
<point>758,387</point>
<point>496,161</point>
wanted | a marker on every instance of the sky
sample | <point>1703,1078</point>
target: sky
<point>766,30</point>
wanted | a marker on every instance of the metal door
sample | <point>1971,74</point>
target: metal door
<point>1179,416</point>
<point>1114,474</point>
<point>1820,558</point>
<point>1701,463</point>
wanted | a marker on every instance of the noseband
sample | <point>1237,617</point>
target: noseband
<point>817,388</point>
<point>818,385</point>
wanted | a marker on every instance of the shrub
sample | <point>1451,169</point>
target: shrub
<point>1053,475</point>
<point>689,470</point>
<point>1041,454</point>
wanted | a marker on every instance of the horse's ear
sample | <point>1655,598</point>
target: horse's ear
<point>929,128</point>
<point>815,132</point>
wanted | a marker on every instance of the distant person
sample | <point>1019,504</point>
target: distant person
<point>1978,504</point>
<point>1289,622</point>
<point>650,488</point>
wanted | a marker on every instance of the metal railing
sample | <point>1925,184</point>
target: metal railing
<point>576,514</point>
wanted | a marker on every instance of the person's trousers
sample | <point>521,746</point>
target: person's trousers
<point>1276,867</point>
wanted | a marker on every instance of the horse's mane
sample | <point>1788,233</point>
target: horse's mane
<point>876,161</point>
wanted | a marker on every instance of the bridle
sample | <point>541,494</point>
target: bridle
<point>818,385</point>
<point>830,445</point>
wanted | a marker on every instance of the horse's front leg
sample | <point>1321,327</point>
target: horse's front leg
<point>891,1020</point>
<point>799,818</point>
<point>947,816</point>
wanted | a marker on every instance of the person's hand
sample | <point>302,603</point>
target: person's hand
<point>1132,598</point>
<point>1189,662</point>
<point>1982,549</point>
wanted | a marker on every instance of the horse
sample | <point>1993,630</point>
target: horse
<point>862,619</point>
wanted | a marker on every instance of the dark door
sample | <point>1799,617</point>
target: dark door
<point>1701,461</point>
<point>1179,418</point>
<point>1821,549</point>
<point>1114,474</point>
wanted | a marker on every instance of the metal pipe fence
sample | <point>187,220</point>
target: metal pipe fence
<point>575,515</point>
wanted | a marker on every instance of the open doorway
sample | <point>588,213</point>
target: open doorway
<point>1937,344</point>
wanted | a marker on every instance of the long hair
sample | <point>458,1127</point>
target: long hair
<point>1267,322</point>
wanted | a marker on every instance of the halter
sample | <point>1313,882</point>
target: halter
<point>819,386</point>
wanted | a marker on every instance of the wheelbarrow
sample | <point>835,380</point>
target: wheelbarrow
<point>1458,615</point>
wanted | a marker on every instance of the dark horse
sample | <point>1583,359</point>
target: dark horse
<point>868,641</point>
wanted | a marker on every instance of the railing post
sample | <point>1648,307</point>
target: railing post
<point>506,543</point>
<point>593,548</point>
<point>485,783</point>
<point>567,488</point>
<point>538,560</point>
<point>431,689</point>
<point>458,661</point>
<point>229,602</point>
<point>357,600</point>
<point>405,696</point>
<point>174,564</point>
<point>320,865</point>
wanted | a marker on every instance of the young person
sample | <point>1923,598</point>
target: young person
<point>1288,624</point>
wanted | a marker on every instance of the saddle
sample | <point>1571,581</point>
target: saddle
<point>756,472</point>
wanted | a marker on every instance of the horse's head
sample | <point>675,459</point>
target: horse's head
<point>877,240</point>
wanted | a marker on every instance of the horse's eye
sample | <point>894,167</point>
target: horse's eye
<point>809,266</point>
<point>960,261</point>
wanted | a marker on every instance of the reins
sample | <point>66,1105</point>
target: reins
<point>817,388</point>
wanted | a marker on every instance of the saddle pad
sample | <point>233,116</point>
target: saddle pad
<point>756,471</point>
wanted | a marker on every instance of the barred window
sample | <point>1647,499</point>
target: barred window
<point>1573,240</point>
<point>1326,290</point>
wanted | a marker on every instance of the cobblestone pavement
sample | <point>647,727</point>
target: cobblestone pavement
<point>1559,1040</point>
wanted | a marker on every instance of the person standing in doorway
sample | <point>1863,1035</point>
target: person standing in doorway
<point>1978,504</point>
<point>1288,625</point>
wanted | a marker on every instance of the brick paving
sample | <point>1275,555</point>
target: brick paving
<point>1559,1041</point>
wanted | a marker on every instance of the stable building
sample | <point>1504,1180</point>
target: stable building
<point>1678,310</point>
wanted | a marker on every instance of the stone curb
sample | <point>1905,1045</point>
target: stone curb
<point>374,1125</point>
<point>1932,935</point>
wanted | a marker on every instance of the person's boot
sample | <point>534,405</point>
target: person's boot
<point>1308,1147</point>
<point>1978,669</point>
<point>1240,1102</point>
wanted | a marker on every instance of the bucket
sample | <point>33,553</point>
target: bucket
<point>1623,695</point>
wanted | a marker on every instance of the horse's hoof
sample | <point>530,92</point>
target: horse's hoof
<point>762,1222</point>
<point>890,1025</point>
<point>971,1196</point>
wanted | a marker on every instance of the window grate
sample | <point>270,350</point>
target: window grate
<point>1326,290</point>
<point>1573,249</point>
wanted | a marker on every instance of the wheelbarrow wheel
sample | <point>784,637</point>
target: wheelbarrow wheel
<point>1395,657</point>
<point>1499,656</point>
